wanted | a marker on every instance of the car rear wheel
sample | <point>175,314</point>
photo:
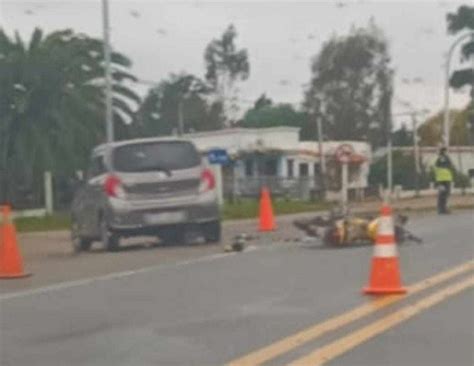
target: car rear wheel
<point>212,232</point>
<point>79,243</point>
<point>110,240</point>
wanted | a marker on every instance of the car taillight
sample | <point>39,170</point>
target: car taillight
<point>113,187</point>
<point>208,182</point>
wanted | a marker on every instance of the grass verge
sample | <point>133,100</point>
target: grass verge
<point>244,209</point>
<point>46,223</point>
<point>247,209</point>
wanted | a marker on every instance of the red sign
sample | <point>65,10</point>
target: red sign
<point>344,153</point>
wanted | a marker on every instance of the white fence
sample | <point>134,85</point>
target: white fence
<point>302,189</point>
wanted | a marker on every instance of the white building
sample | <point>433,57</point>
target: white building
<point>276,157</point>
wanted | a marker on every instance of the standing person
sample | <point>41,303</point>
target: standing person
<point>443,175</point>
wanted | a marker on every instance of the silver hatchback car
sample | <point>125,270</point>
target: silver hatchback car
<point>158,187</point>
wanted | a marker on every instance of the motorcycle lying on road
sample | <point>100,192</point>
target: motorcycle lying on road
<point>341,229</point>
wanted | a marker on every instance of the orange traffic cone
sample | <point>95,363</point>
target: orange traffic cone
<point>11,264</point>
<point>385,274</point>
<point>267,221</point>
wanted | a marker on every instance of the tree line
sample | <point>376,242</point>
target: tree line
<point>52,97</point>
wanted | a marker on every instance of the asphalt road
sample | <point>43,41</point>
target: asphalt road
<point>220,307</point>
<point>49,257</point>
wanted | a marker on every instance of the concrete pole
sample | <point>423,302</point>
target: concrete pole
<point>322,158</point>
<point>217,170</point>
<point>446,102</point>
<point>235,181</point>
<point>48,193</point>
<point>389,165</point>
<point>388,131</point>
<point>345,182</point>
<point>470,126</point>
<point>108,73</point>
<point>416,151</point>
<point>180,118</point>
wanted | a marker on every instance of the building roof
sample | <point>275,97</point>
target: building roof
<point>235,141</point>
<point>241,130</point>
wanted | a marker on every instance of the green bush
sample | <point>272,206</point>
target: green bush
<point>403,172</point>
<point>461,180</point>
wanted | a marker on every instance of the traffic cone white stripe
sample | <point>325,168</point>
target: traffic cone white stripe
<point>385,251</point>
<point>385,226</point>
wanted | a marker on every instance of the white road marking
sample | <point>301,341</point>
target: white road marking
<point>111,276</point>
<point>118,275</point>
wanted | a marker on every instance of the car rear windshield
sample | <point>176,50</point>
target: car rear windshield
<point>155,156</point>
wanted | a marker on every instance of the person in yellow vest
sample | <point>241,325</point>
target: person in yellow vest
<point>443,175</point>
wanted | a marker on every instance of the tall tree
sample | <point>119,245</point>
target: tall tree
<point>52,103</point>
<point>351,86</point>
<point>182,96</point>
<point>402,137</point>
<point>430,131</point>
<point>463,20</point>
<point>265,114</point>
<point>262,102</point>
<point>225,65</point>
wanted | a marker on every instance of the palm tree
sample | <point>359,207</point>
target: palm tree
<point>52,102</point>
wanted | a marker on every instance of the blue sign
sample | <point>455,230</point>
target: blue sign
<point>218,156</point>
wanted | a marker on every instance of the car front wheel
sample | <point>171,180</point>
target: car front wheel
<point>79,243</point>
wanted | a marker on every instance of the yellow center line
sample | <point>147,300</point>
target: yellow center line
<point>344,344</point>
<point>291,342</point>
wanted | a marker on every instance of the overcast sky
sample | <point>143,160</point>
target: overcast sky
<point>162,37</point>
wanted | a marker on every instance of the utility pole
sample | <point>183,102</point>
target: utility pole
<point>470,122</point>
<point>389,164</point>
<point>180,117</point>
<point>416,149</point>
<point>416,153</point>
<point>108,74</point>
<point>388,120</point>
<point>322,159</point>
